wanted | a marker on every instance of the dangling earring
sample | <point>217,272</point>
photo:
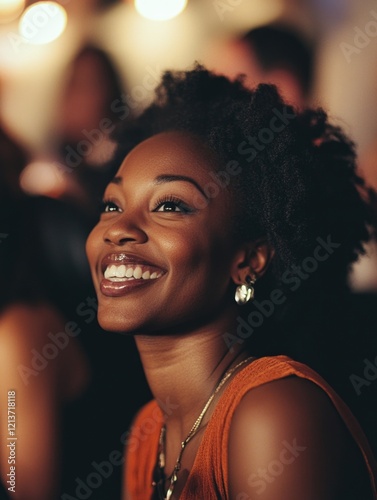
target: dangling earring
<point>245,292</point>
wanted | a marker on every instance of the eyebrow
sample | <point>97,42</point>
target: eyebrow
<point>161,179</point>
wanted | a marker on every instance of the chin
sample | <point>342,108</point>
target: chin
<point>112,321</point>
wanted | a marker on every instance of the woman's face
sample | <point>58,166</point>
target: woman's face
<point>162,251</point>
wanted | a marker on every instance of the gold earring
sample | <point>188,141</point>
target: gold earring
<point>245,292</point>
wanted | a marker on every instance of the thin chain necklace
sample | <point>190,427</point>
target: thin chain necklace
<point>159,479</point>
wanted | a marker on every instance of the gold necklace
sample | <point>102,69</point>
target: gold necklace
<point>159,482</point>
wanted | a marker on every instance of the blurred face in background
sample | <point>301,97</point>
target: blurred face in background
<point>86,97</point>
<point>234,57</point>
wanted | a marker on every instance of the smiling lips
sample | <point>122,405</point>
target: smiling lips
<point>123,273</point>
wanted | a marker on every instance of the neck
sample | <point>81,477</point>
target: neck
<point>183,371</point>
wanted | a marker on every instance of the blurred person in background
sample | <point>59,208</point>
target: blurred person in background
<point>45,374</point>
<point>274,53</point>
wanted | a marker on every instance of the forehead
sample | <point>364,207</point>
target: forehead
<point>171,152</point>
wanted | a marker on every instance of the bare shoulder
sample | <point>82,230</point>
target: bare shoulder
<point>288,441</point>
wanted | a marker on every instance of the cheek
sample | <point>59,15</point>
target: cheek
<point>184,252</point>
<point>198,264</point>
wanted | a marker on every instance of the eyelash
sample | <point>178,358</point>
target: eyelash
<point>176,201</point>
<point>106,204</point>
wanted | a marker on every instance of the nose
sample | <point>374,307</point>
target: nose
<point>125,229</point>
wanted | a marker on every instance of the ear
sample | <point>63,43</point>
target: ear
<point>252,259</point>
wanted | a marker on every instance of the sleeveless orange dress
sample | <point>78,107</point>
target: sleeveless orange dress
<point>208,478</point>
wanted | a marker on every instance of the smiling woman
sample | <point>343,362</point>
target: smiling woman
<point>222,196</point>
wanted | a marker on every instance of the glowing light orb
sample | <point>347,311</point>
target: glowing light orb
<point>160,10</point>
<point>43,178</point>
<point>43,22</point>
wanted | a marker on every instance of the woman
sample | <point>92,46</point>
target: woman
<point>221,195</point>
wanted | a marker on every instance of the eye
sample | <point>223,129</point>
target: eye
<point>109,206</point>
<point>172,204</point>
<point>169,206</point>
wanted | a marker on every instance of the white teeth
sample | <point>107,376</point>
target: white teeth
<point>122,272</point>
<point>110,271</point>
<point>138,273</point>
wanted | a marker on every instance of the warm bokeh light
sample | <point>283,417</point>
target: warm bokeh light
<point>10,10</point>
<point>160,10</point>
<point>43,22</point>
<point>43,178</point>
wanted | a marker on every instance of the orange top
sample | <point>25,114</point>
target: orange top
<point>209,474</point>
